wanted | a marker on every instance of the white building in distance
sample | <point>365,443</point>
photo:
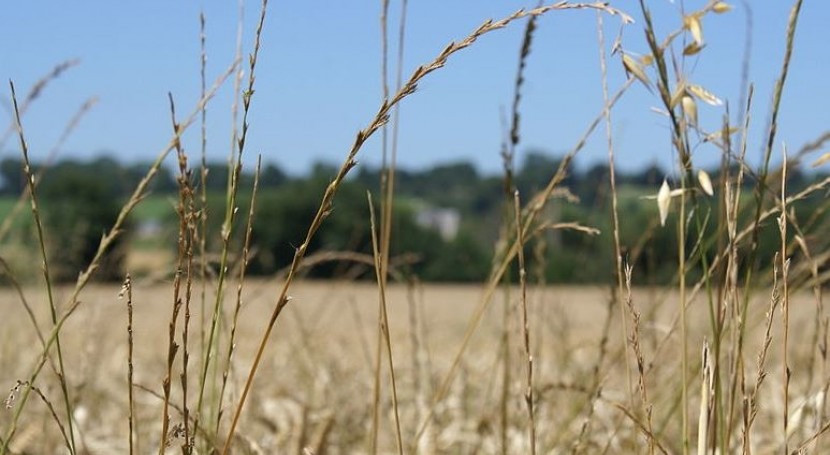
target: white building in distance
<point>445,221</point>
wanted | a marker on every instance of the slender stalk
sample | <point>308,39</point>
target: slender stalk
<point>637,349</point>
<point>30,181</point>
<point>73,302</point>
<point>785,302</point>
<point>512,223</point>
<point>420,361</point>
<point>182,272</point>
<point>508,186</point>
<point>388,207</point>
<point>398,83</point>
<point>528,396</point>
<point>504,396</point>
<point>234,168</point>
<point>242,271</point>
<point>384,182</point>
<point>190,219</point>
<point>127,289</point>
<point>684,339</point>
<point>203,176</point>
<point>751,402</point>
<point>731,208</point>
<point>615,219</point>
<point>388,197</point>
<point>211,349</point>
<point>383,331</point>
<point>761,185</point>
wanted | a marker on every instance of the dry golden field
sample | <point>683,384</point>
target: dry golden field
<point>315,386</point>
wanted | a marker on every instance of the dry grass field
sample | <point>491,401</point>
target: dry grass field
<point>315,385</point>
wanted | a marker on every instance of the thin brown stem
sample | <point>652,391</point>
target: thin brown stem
<point>229,222</point>
<point>528,395</point>
<point>30,181</point>
<point>127,290</point>
<point>785,302</point>
<point>615,220</point>
<point>73,302</point>
<point>383,332</point>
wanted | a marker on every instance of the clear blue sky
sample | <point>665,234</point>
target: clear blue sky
<point>318,79</point>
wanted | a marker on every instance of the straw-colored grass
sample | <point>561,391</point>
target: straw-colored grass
<point>317,377</point>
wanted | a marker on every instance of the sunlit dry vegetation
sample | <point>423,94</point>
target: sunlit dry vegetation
<point>730,357</point>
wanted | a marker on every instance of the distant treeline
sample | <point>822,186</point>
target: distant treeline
<point>81,198</point>
<point>534,171</point>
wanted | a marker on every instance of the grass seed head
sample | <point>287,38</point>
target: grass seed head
<point>705,182</point>
<point>664,202</point>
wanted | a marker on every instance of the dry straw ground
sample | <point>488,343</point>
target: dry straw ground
<point>315,387</point>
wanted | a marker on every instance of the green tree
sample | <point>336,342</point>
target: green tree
<point>11,176</point>
<point>535,173</point>
<point>79,204</point>
<point>284,215</point>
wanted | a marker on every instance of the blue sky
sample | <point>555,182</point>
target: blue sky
<point>318,79</point>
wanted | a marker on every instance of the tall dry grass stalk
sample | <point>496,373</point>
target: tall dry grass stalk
<point>510,224</point>
<point>636,348</point>
<point>383,340</point>
<point>615,221</point>
<point>127,291</point>
<point>751,399</point>
<point>203,178</point>
<point>761,185</point>
<point>380,119</point>
<point>785,303</point>
<point>525,325</point>
<point>229,222</point>
<point>243,267</point>
<point>47,278</point>
<point>183,265</point>
<point>381,242</point>
<point>73,301</point>
<point>731,203</point>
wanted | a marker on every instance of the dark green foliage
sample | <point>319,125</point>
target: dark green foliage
<point>461,260</point>
<point>283,217</point>
<point>535,172</point>
<point>12,179</point>
<point>80,203</point>
<point>80,200</point>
